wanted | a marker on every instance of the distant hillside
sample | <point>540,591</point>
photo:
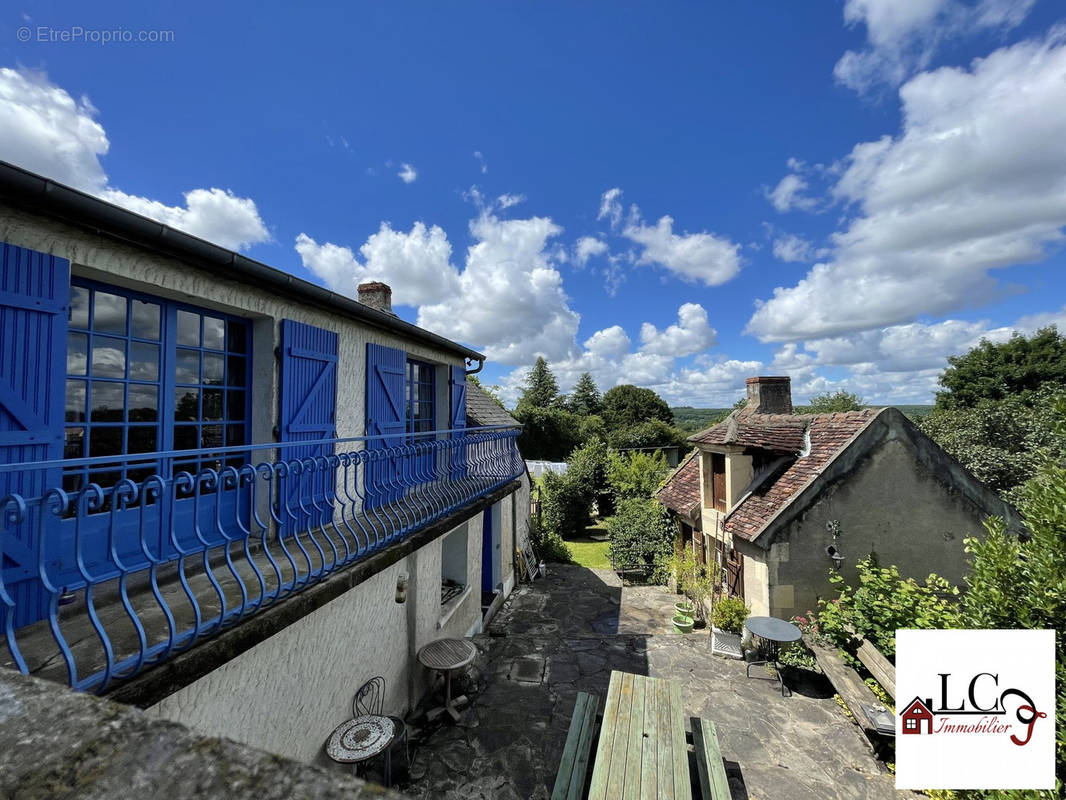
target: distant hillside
<point>691,419</point>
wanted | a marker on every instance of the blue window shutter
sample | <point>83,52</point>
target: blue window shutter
<point>386,407</point>
<point>457,419</point>
<point>457,397</point>
<point>34,298</point>
<point>308,384</point>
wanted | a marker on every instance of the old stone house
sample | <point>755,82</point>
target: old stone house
<point>785,498</point>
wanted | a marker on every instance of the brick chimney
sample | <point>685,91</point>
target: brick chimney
<point>769,395</point>
<point>376,295</point>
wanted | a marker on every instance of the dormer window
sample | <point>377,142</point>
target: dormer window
<point>718,499</point>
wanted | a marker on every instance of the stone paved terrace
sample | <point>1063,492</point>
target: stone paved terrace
<point>564,634</point>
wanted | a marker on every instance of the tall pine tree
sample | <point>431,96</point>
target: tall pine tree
<point>585,400</point>
<point>541,389</point>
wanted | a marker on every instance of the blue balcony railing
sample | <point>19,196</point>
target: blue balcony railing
<point>113,565</point>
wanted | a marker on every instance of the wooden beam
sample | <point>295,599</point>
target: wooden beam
<point>879,666</point>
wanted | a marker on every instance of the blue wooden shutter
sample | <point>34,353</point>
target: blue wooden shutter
<point>386,416</point>
<point>34,297</point>
<point>457,418</point>
<point>308,384</point>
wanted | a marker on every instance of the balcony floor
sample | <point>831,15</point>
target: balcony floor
<point>575,626</point>
<point>44,659</point>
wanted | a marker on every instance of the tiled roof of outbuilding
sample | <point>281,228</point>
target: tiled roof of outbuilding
<point>681,491</point>
<point>830,434</point>
<point>778,432</point>
<point>482,410</point>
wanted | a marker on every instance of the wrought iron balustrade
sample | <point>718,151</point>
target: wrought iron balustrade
<point>104,578</point>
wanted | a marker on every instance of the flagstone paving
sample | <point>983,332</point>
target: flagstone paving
<point>565,634</point>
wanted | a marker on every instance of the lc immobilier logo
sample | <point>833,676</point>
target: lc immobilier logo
<point>975,709</point>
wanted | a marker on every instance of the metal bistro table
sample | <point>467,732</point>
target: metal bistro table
<point>775,631</point>
<point>446,656</point>
<point>362,739</point>
<point>642,750</point>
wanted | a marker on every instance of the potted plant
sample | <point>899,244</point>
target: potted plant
<point>682,624</point>
<point>727,623</point>
<point>695,583</point>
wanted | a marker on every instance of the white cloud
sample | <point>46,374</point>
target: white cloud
<point>902,37</point>
<point>481,161</point>
<point>587,247</point>
<point>45,130</point>
<point>407,173</point>
<point>417,265</point>
<point>508,200</point>
<point>789,194</point>
<point>508,298</point>
<point>608,343</point>
<point>692,334</point>
<point>975,181</point>
<point>793,248</point>
<point>702,257</point>
<point>611,207</point>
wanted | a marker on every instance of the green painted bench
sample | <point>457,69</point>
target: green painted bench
<point>713,782</point>
<point>570,780</point>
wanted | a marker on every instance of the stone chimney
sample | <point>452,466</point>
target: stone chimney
<point>376,295</point>
<point>769,395</point>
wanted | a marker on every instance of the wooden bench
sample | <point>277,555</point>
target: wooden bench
<point>847,683</point>
<point>570,780</point>
<point>713,782</point>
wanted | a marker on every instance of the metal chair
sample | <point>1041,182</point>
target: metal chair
<point>369,700</point>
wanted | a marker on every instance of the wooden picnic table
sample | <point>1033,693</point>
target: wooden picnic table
<point>642,752</point>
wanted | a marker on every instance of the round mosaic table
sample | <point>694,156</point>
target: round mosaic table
<point>446,656</point>
<point>360,739</point>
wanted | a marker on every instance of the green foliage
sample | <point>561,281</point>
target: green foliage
<point>591,427</point>
<point>828,403</point>
<point>653,433</point>
<point>628,405</point>
<point>642,534</point>
<point>1002,442</point>
<point>729,614</point>
<point>990,371</point>
<point>696,581</point>
<point>548,544</point>
<point>492,391</point>
<point>692,420</point>
<point>585,399</point>
<point>567,498</point>
<point>541,389</point>
<point>547,433</point>
<point>635,474</point>
<point>1022,584</point>
<point>884,601</point>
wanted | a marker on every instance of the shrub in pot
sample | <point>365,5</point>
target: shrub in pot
<point>729,614</point>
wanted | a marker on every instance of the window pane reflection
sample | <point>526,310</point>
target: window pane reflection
<point>109,357</point>
<point>109,313</point>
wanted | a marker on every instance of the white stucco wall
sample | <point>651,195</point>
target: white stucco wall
<point>286,694</point>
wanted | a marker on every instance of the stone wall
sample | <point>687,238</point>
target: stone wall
<point>58,743</point>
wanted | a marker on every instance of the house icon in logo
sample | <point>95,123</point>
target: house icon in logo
<point>917,713</point>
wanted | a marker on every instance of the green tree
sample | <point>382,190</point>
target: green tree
<point>1022,583</point>
<point>992,371</point>
<point>585,400</point>
<point>635,474</point>
<point>541,389</point>
<point>627,405</point>
<point>568,497</point>
<point>828,403</point>
<point>547,433</point>
<point>1002,442</point>
<point>642,535</point>
<point>653,433</point>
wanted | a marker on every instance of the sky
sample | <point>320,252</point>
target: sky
<point>676,195</point>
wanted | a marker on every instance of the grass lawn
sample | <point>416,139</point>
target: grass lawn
<point>591,549</point>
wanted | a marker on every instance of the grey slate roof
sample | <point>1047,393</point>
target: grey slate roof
<point>482,410</point>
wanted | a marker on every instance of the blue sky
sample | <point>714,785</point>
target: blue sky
<point>676,196</point>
